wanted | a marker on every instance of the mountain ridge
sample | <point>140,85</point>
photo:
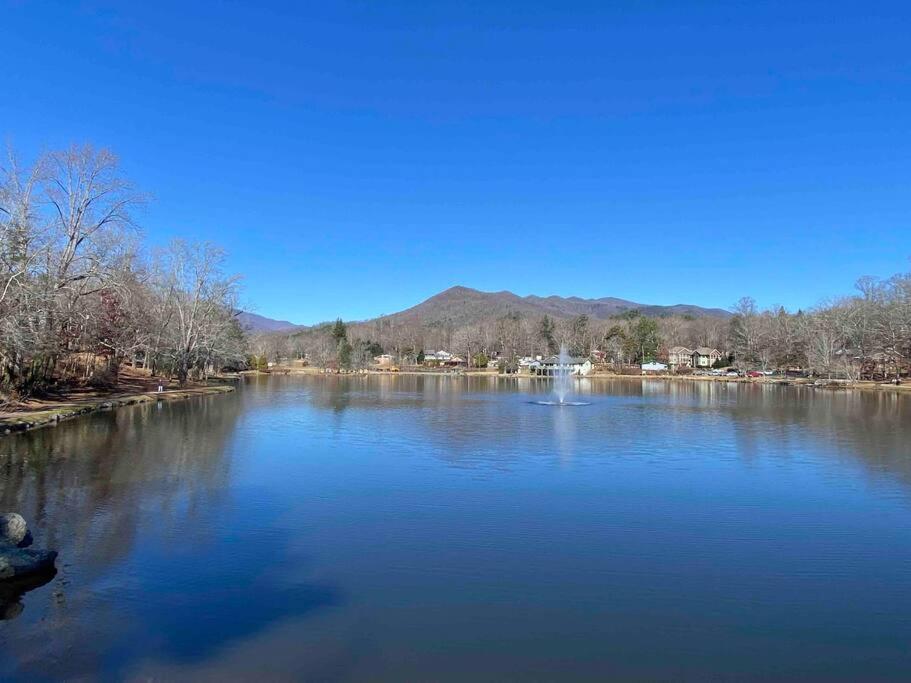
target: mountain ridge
<point>253,322</point>
<point>461,305</point>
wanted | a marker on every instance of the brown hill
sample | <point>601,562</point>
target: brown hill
<point>463,305</point>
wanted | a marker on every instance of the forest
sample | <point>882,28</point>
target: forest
<point>80,294</point>
<point>866,335</point>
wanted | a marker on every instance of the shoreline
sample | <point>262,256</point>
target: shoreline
<point>51,413</point>
<point>830,385</point>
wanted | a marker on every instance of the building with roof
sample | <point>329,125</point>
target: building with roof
<point>680,357</point>
<point>654,366</point>
<point>553,366</point>
<point>705,357</point>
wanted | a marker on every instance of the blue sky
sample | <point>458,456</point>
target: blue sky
<point>357,157</point>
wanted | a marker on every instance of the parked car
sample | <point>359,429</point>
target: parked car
<point>732,373</point>
<point>755,373</point>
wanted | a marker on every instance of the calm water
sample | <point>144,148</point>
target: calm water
<point>408,528</point>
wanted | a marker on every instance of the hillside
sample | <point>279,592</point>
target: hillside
<point>463,305</point>
<point>253,322</point>
<point>460,306</point>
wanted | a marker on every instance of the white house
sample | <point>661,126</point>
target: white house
<point>653,367</point>
<point>554,366</point>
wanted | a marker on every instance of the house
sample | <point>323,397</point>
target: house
<point>679,357</point>
<point>704,357</point>
<point>436,357</point>
<point>653,367</point>
<point>441,359</point>
<point>527,365</point>
<point>384,360</point>
<point>553,365</point>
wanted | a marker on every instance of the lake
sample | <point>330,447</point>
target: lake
<point>435,528</point>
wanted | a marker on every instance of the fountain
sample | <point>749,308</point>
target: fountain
<point>563,381</point>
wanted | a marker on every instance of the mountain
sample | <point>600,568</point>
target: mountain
<point>459,306</point>
<point>253,322</point>
<point>463,305</point>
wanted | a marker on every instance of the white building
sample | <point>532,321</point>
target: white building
<point>554,366</point>
<point>653,367</point>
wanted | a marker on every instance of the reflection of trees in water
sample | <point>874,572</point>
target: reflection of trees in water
<point>760,420</point>
<point>85,486</point>
<point>871,428</point>
<point>154,555</point>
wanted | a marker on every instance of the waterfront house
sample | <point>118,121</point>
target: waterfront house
<point>654,366</point>
<point>680,357</point>
<point>704,357</point>
<point>441,359</point>
<point>552,366</point>
<point>528,364</point>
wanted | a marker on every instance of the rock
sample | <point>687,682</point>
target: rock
<point>18,562</point>
<point>13,529</point>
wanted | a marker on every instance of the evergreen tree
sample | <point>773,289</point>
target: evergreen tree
<point>546,330</point>
<point>343,354</point>
<point>339,331</point>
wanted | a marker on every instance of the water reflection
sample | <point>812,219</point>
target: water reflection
<point>11,592</point>
<point>136,502</point>
<point>426,527</point>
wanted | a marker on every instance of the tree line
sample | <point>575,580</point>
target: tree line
<point>80,295</point>
<point>624,339</point>
<point>863,336</point>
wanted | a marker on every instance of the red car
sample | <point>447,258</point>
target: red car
<point>754,373</point>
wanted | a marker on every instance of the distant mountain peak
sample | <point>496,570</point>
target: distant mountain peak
<point>464,305</point>
<point>460,305</point>
<point>253,322</point>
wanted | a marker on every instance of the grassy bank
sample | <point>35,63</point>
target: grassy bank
<point>44,413</point>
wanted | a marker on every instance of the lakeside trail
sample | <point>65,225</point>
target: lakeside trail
<point>130,390</point>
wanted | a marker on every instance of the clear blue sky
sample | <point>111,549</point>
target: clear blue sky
<point>357,157</point>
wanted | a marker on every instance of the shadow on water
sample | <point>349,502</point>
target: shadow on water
<point>152,548</point>
<point>11,592</point>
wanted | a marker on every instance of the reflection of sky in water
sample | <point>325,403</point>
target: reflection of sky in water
<point>411,528</point>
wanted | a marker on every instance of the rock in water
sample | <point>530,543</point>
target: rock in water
<point>13,529</point>
<point>18,562</point>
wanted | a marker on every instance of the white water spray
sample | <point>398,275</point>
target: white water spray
<point>563,376</point>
